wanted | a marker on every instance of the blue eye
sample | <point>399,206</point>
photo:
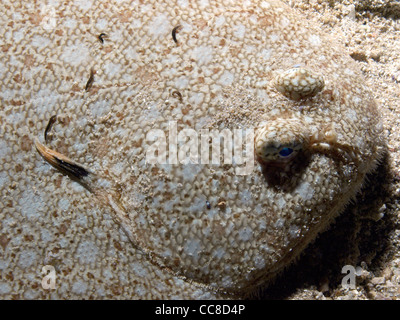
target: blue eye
<point>285,152</point>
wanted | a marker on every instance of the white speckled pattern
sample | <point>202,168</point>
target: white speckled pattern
<point>170,244</point>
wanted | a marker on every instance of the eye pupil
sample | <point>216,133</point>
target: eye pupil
<point>285,152</point>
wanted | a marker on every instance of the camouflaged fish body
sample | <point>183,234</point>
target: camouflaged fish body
<point>195,229</point>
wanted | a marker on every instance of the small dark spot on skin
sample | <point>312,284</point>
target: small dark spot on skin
<point>25,142</point>
<point>117,245</point>
<point>52,120</point>
<point>4,240</point>
<point>208,204</point>
<point>178,95</point>
<point>174,31</point>
<point>89,83</point>
<point>222,205</point>
<point>101,37</point>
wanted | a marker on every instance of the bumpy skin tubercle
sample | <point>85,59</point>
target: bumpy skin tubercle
<point>187,230</point>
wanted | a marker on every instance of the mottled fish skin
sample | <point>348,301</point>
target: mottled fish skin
<point>187,230</point>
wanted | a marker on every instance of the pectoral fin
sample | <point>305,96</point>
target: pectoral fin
<point>61,162</point>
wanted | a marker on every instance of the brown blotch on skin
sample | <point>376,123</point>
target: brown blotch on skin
<point>125,16</point>
<point>200,23</point>
<point>29,60</point>
<point>18,167</point>
<point>107,49</point>
<point>222,205</point>
<point>116,290</point>
<point>235,51</point>
<point>35,19</point>
<point>28,237</point>
<point>16,102</point>
<point>4,241</point>
<point>34,286</point>
<point>266,21</point>
<point>63,228</point>
<point>26,143</point>
<point>138,143</point>
<point>177,262</point>
<point>186,110</point>
<point>5,47</point>
<point>18,78</point>
<point>10,276</point>
<point>216,70</point>
<point>75,88</point>
<point>117,246</point>
<point>328,94</point>
<point>100,149</point>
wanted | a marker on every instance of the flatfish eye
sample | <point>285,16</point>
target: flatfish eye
<point>279,142</point>
<point>286,152</point>
<point>274,153</point>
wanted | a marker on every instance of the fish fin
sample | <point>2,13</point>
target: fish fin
<point>61,162</point>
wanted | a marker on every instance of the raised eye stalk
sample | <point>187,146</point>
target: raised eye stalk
<point>279,141</point>
<point>299,83</point>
